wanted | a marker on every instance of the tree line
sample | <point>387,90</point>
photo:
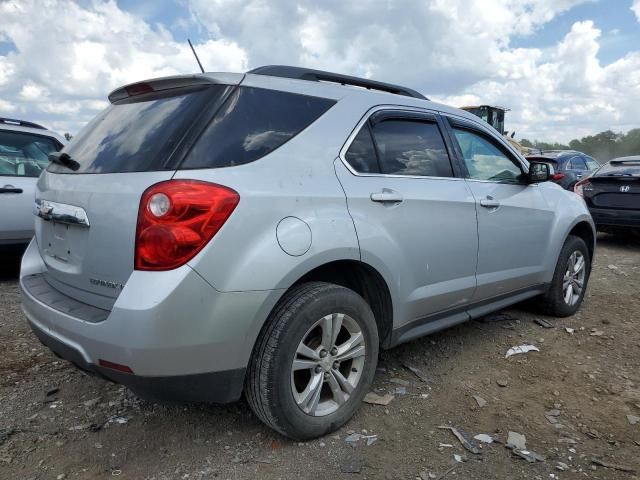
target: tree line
<point>603,146</point>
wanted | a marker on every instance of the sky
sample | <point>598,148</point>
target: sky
<point>564,68</point>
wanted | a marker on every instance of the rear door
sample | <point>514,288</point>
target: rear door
<point>514,219</point>
<point>415,219</point>
<point>577,166</point>
<point>88,213</point>
<point>23,156</point>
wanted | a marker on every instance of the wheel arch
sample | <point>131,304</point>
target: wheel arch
<point>584,230</point>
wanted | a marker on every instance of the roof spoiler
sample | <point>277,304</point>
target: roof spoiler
<point>300,73</point>
<point>169,83</point>
<point>20,123</point>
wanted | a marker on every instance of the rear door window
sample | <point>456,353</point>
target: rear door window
<point>24,154</point>
<point>577,163</point>
<point>411,147</point>
<point>138,134</point>
<point>362,153</point>
<point>252,123</point>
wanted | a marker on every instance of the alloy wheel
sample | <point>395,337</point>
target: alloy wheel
<point>328,364</point>
<point>574,276</point>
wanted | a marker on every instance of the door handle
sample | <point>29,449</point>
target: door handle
<point>579,175</point>
<point>386,196</point>
<point>489,203</point>
<point>10,189</point>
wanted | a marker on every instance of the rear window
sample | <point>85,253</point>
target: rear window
<point>137,134</point>
<point>252,123</point>
<point>24,154</point>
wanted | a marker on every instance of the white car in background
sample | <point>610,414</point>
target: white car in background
<point>24,151</point>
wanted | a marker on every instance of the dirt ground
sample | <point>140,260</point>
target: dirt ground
<point>58,423</point>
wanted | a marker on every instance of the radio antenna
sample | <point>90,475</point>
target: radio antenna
<point>195,55</point>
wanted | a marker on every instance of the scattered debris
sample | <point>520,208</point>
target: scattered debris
<point>617,270</point>
<point>484,438</point>
<point>632,419</point>
<point>544,323</point>
<point>615,466</point>
<point>52,391</point>
<point>375,399</point>
<point>479,400</point>
<point>562,466</point>
<point>400,381</point>
<point>517,441</point>
<point>552,416</point>
<point>401,391</point>
<point>451,469</point>
<point>459,458</point>
<point>502,382</point>
<point>521,349</point>
<point>596,333</point>
<point>418,373</point>
<point>119,420</point>
<point>355,438</point>
<point>569,330</point>
<point>5,433</point>
<point>91,403</point>
<point>445,445</point>
<point>466,443</point>
<point>351,465</point>
<point>528,455</point>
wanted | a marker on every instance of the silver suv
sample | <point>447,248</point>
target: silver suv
<point>268,232</point>
<point>24,147</point>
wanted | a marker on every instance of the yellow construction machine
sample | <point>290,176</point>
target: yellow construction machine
<point>494,116</point>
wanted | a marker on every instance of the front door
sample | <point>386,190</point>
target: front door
<point>415,220</point>
<point>514,219</point>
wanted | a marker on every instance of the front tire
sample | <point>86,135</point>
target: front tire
<point>570,279</point>
<point>314,361</point>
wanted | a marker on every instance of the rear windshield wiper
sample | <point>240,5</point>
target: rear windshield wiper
<point>64,159</point>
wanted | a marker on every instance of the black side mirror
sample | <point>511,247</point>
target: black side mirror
<point>540,172</point>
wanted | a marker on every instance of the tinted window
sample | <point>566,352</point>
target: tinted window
<point>484,160</point>
<point>591,163</point>
<point>361,154</point>
<point>408,147</point>
<point>577,163</point>
<point>137,134</point>
<point>23,154</point>
<point>252,123</point>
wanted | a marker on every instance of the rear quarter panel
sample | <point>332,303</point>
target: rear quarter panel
<point>296,180</point>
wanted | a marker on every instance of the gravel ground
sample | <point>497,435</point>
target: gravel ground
<point>58,423</point>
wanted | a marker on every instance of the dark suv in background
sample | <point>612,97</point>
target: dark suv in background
<point>570,166</point>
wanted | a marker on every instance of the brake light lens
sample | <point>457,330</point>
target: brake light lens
<point>558,176</point>
<point>177,218</point>
<point>580,186</point>
<point>138,89</point>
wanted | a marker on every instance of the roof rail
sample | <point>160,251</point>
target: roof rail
<point>300,73</point>
<point>20,123</point>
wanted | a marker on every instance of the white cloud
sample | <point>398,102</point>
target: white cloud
<point>60,68</point>
<point>455,50</point>
<point>459,51</point>
<point>636,8</point>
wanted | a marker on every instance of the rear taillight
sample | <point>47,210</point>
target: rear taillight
<point>177,218</point>
<point>557,176</point>
<point>580,186</point>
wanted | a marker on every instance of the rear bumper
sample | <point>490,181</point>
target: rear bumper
<point>608,217</point>
<point>182,339</point>
<point>213,387</point>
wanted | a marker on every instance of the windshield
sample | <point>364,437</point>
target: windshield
<point>24,154</point>
<point>137,134</point>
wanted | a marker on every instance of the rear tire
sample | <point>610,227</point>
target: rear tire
<point>570,279</point>
<point>305,343</point>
